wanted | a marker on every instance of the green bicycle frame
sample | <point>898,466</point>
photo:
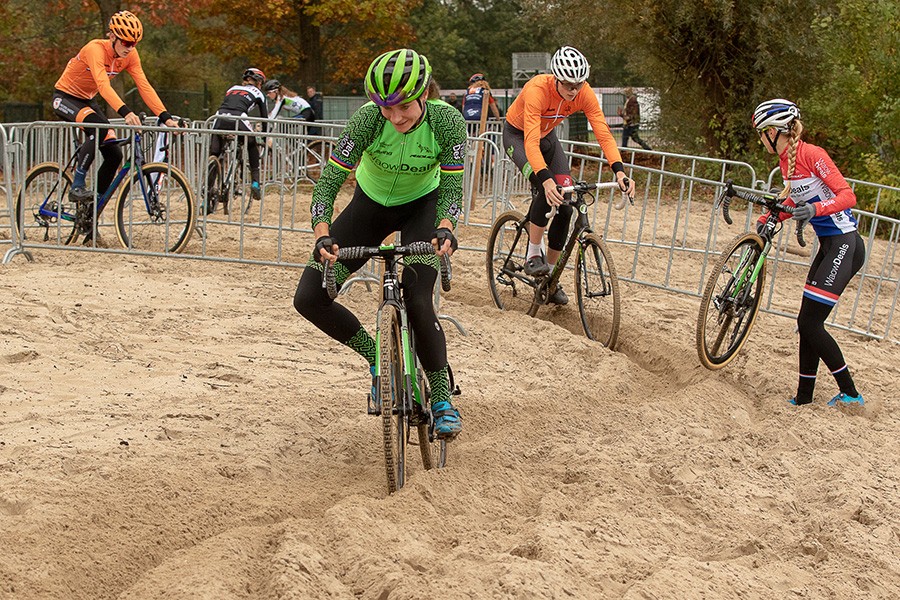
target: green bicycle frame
<point>749,279</point>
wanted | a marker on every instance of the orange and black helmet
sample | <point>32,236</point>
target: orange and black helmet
<point>126,26</point>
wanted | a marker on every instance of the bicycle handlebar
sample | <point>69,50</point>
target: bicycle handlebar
<point>766,200</point>
<point>384,252</point>
<point>582,187</point>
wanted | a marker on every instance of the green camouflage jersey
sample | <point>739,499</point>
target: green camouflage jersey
<point>395,168</point>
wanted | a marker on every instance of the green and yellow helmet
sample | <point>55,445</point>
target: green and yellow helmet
<point>397,76</point>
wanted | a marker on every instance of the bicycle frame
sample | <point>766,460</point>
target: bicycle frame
<point>582,226</point>
<point>391,297</point>
<point>103,199</point>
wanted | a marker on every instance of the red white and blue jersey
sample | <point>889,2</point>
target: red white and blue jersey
<point>819,182</point>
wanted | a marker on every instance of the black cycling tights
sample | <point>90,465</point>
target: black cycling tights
<point>367,223</point>
<point>112,154</point>
<point>815,341</point>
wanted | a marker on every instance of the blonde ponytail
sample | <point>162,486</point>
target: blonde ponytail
<point>796,132</point>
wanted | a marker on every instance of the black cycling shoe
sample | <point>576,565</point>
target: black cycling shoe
<point>558,297</point>
<point>536,266</point>
<point>80,194</point>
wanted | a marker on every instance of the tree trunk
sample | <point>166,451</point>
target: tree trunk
<point>311,69</point>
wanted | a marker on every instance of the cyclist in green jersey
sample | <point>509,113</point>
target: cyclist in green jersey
<point>407,147</point>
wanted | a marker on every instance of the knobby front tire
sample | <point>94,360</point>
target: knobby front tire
<point>597,291</point>
<point>725,320</point>
<point>43,181</point>
<point>393,389</point>
<point>168,227</point>
<point>434,451</point>
<point>507,251</point>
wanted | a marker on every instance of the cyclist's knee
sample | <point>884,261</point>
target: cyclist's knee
<point>111,153</point>
<point>310,298</point>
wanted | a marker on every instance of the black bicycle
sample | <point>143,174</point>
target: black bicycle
<point>224,178</point>
<point>733,293</point>
<point>596,285</point>
<point>403,400</point>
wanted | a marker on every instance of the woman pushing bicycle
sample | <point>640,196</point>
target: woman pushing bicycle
<point>407,147</point>
<point>88,74</point>
<point>822,196</point>
<point>530,140</point>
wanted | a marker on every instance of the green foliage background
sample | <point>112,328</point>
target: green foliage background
<point>712,61</point>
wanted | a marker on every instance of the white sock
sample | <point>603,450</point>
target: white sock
<point>535,249</point>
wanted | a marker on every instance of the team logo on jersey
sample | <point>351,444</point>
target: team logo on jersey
<point>459,151</point>
<point>345,147</point>
<point>56,103</point>
<point>822,168</point>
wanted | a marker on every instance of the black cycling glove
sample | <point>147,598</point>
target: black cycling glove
<point>443,234</point>
<point>326,242</point>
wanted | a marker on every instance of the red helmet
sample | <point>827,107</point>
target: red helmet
<point>476,77</point>
<point>126,26</point>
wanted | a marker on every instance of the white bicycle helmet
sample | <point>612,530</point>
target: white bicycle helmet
<point>777,113</point>
<point>569,65</point>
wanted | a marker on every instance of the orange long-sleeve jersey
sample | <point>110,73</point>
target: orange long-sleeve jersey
<point>95,64</point>
<point>539,108</point>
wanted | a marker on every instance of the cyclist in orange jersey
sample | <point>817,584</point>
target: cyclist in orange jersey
<point>530,140</point>
<point>88,74</point>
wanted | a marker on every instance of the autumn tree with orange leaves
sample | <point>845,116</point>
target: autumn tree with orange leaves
<point>303,40</point>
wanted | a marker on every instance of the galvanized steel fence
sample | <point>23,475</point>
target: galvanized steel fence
<point>670,224</point>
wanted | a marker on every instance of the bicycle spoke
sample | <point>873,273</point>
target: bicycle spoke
<point>730,303</point>
<point>597,291</point>
<point>510,288</point>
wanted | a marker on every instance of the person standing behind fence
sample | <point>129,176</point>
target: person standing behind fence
<point>88,74</point>
<point>631,119</point>
<point>315,100</point>
<point>530,140</point>
<point>824,198</point>
<point>474,100</point>
<point>239,101</point>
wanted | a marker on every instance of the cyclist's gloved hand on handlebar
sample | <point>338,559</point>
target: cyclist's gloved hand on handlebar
<point>804,212</point>
<point>328,245</point>
<point>440,237</point>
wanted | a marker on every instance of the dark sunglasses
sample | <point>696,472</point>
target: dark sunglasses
<point>127,44</point>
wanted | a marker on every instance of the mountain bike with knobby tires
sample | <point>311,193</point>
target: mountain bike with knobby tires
<point>733,292</point>
<point>154,204</point>
<point>403,397</point>
<point>596,284</point>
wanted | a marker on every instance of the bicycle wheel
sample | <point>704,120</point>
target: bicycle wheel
<point>507,251</point>
<point>730,302</point>
<point>433,450</point>
<point>393,389</point>
<point>314,160</point>
<point>155,213</point>
<point>597,291</point>
<point>45,182</point>
<point>213,185</point>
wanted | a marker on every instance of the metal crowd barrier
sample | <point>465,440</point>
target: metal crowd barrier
<point>649,239</point>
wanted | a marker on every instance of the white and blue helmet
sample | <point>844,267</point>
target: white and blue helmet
<point>778,113</point>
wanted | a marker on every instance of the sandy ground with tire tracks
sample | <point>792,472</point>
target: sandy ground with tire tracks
<point>172,429</point>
